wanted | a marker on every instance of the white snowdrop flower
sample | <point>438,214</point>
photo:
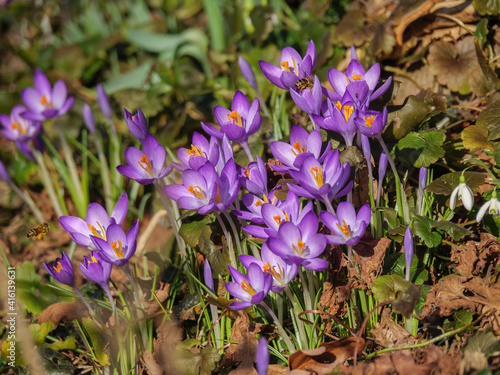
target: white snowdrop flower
<point>464,193</point>
<point>492,206</point>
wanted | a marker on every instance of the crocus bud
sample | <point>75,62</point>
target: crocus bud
<point>137,124</point>
<point>367,152</point>
<point>353,53</point>
<point>422,180</point>
<point>103,101</point>
<point>262,357</point>
<point>408,244</point>
<point>247,72</point>
<point>382,166</point>
<point>3,174</point>
<point>207,275</point>
<point>62,270</point>
<point>88,118</point>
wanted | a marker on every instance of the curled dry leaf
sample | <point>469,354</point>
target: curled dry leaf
<point>63,312</point>
<point>326,357</point>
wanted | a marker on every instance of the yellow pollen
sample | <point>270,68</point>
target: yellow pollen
<point>43,101</point>
<point>195,151</point>
<point>300,247</point>
<point>300,149</point>
<point>338,105</point>
<point>265,198</point>
<point>17,126</point>
<point>317,175</point>
<point>284,65</point>
<point>236,118</point>
<point>356,77</point>
<point>347,80</point>
<point>348,111</point>
<point>247,173</point>
<point>145,164</point>
<point>344,228</point>
<point>286,216</point>
<point>58,267</point>
<point>132,117</point>
<point>196,190</point>
<point>277,219</point>
<point>247,287</point>
<point>369,121</point>
<point>277,275</point>
<point>117,248</point>
<point>95,233</point>
<point>217,197</point>
<point>94,260</point>
<point>258,204</point>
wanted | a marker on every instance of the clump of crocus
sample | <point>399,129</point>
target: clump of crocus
<point>292,67</point>
<point>44,101</point>
<point>339,117</point>
<point>20,130</point>
<point>96,222</point>
<point>146,166</point>
<point>464,193</point>
<point>200,152</point>
<point>117,247</point>
<point>98,271</point>
<point>492,206</point>
<point>62,271</point>
<point>346,227</point>
<point>250,289</point>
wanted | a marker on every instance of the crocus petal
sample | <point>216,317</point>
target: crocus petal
<point>272,73</point>
<point>59,94</point>
<point>42,83</point>
<point>121,208</point>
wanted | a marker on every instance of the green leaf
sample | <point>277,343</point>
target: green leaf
<point>68,344</point>
<point>417,275</point>
<point>55,363</point>
<point>401,122</point>
<point>403,294</point>
<point>487,7</point>
<point>490,118</point>
<point>196,233</point>
<point>445,184</point>
<point>476,136</point>
<point>426,147</point>
<point>422,227</point>
<point>99,340</point>
<point>39,332</point>
<point>455,231</point>
<point>131,80</point>
<point>390,217</point>
<point>461,318</point>
<point>191,360</point>
<point>482,32</point>
<point>424,292</point>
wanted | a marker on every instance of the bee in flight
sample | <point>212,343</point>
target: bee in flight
<point>304,83</point>
<point>39,231</point>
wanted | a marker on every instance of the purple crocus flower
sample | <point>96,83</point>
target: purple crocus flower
<point>254,205</point>
<point>204,190</point>
<point>88,118</point>
<point>18,129</point>
<point>4,175</point>
<point>62,270</point>
<point>137,124</point>
<point>200,152</point>
<point>145,166</point>
<point>302,144</point>
<point>282,272</point>
<point>118,247</point>
<point>43,101</point>
<point>356,73</point>
<point>103,101</point>
<point>338,117</point>
<point>408,244</point>
<point>247,72</point>
<point>382,166</point>
<point>250,289</point>
<point>96,269</point>
<point>372,123</point>
<point>207,276</point>
<point>292,67</point>
<point>96,223</point>
<point>309,99</point>
<point>262,357</point>
<point>238,123</point>
<point>301,244</point>
<point>323,182</point>
<point>346,227</point>
<point>273,216</point>
<point>254,178</point>
<point>422,180</point>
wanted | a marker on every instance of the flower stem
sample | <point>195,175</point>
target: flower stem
<point>281,330</point>
<point>126,270</point>
<point>247,150</point>
<point>349,252</point>
<point>77,291</point>
<point>106,180</point>
<point>110,297</point>
<point>300,323</point>
<point>235,231</point>
<point>44,174</point>
<point>26,198</point>
<point>328,204</point>
<point>230,250</point>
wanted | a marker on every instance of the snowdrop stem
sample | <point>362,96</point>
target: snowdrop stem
<point>281,330</point>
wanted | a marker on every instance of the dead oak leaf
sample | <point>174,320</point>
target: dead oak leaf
<point>453,64</point>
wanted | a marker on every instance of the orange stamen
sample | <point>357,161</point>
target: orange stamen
<point>286,67</point>
<point>17,126</point>
<point>58,267</point>
<point>277,219</point>
<point>356,77</point>
<point>94,260</point>
<point>217,197</point>
<point>300,149</point>
<point>95,233</point>
<point>117,248</point>
<point>247,287</point>
<point>344,228</point>
<point>236,118</point>
<point>145,164</point>
<point>317,175</point>
<point>300,247</point>
<point>338,105</point>
<point>348,111</point>
<point>196,190</point>
<point>195,151</point>
<point>369,121</point>
<point>247,173</point>
<point>258,204</point>
<point>277,275</point>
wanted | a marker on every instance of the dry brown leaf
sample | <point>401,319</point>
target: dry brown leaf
<point>326,357</point>
<point>169,334</point>
<point>388,333</point>
<point>152,367</point>
<point>63,312</point>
